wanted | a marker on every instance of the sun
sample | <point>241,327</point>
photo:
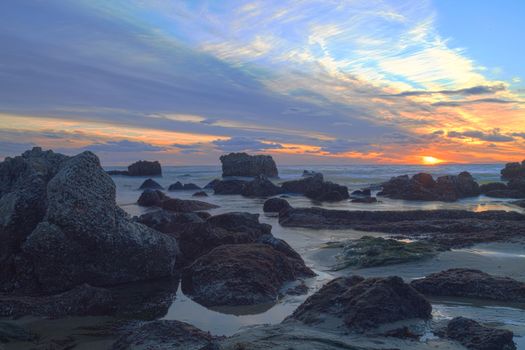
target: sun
<point>429,160</point>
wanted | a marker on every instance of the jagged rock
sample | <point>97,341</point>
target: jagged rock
<point>200,194</point>
<point>145,168</point>
<point>84,236</point>
<point>260,187</point>
<point>242,164</point>
<point>513,171</point>
<point>229,186</point>
<point>474,336</point>
<point>241,274</point>
<point>150,184</point>
<point>364,200</point>
<point>472,284</point>
<point>186,205</point>
<point>422,186</point>
<point>361,304</point>
<point>316,188</point>
<point>163,335</point>
<point>178,186</point>
<point>151,198</point>
<point>447,228</point>
<point>275,205</point>
<point>167,221</point>
<point>376,251</point>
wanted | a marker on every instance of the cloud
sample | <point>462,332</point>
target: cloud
<point>493,136</point>
<point>470,102</point>
<point>123,146</point>
<point>475,90</point>
<point>236,144</point>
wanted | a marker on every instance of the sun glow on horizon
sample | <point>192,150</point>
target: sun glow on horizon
<point>429,160</point>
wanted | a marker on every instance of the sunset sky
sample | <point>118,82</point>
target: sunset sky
<point>332,82</point>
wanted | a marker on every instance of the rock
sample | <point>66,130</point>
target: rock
<point>513,171</point>
<point>178,186</point>
<point>84,237</point>
<point>518,185</point>
<point>505,194</point>
<point>275,205</point>
<point>362,304</point>
<point>186,205</point>
<point>423,187</point>
<point>83,300</point>
<point>260,187</point>
<point>474,336</point>
<point>167,221</point>
<point>241,274</point>
<point>242,164</point>
<point>230,228</point>
<point>11,332</point>
<point>151,185</point>
<point>492,186</point>
<point>200,194</point>
<point>364,200</point>
<point>362,193</point>
<point>145,168</point>
<point>151,198</point>
<point>211,184</point>
<point>229,186</point>
<point>446,228</point>
<point>376,251</point>
<point>316,188</point>
<point>471,283</point>
<point>163,335</point>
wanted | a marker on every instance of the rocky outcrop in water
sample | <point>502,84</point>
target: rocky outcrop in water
<point>471,284</point>
<point>77,234</point>
<point>241,274</point>
<point>178,186</point>
<point>150,184</point>
<point>475,336</point>
<point>226,187</point>
<point>156,198</point>
<point>316,188</point>
<point>140,168</point>
<point>260,187</point>
<point>361,304</point>
<point>513,171</point>
<point>275,205</point>
<point>446,228</point>
<point>243,164</point>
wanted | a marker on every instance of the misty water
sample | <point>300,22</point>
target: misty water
<point>495,258</point>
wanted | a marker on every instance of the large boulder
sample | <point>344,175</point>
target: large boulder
<point>513,171</point>
<point>145,168</point>
<point>361,304</point>
<point>471,284</point>
<point>167,221</point>
<point>229,186</point>
<point>84,237</point>
<point>422,186</point>
<point>151,198</point>
<point>243,164</point>
<point>316,188</point>
<point>475,336</point>
<point>241,274</point>
<point>275,205</point>
<point>260,187</point>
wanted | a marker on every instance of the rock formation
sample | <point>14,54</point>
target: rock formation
<point>243,164</point>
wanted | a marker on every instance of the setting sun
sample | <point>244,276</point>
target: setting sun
<point>429,160</point>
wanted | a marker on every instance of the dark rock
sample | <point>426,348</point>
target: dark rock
<point>229,186</point>
<point>365,200</point>
<point>211,184</point>
<point>200,194</point>
<point>518,185</point>
<point>471,284</point>
<point>242,164</point>
<point>186,205</point>
<point>447,228</point>
<point>362,303</point>
<point>178,186</point>
<point>118,172</point>
<point>145,168</point>
<point>316,188</point>
<point>474,336</point>
<point>85,237</point>
<point>275,205</point>
<point>83,300</point>
<point>362,193</point>
<point>513,171</point>
<point>167,221</point>
<point>151,198</point>
<point>163,335</point>
<point>492,186</point>
<point>11,332</point>
<point>260,187</point>
<point>150,184</point>
<point>241,274</point>
<point>505,194</point>
<point>423,187</point>
<point>376,251</point>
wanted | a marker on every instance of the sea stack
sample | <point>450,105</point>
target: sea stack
<point>243,164</point>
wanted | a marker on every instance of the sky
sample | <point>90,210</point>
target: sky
<point>307,81</point>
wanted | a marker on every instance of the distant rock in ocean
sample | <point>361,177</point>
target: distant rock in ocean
<point>61,227</point>
<point>140,168</point>
<point>513,171</point>
<point>243,164</point>
<point>313,186</point>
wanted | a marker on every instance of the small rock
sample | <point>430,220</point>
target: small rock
<point>275,205</point>
<point>186,205</point>
<point>200,194</point>
<point>151,198</point>
<point>150,184</point>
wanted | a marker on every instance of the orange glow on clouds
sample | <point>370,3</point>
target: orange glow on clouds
<point>429,160</point>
